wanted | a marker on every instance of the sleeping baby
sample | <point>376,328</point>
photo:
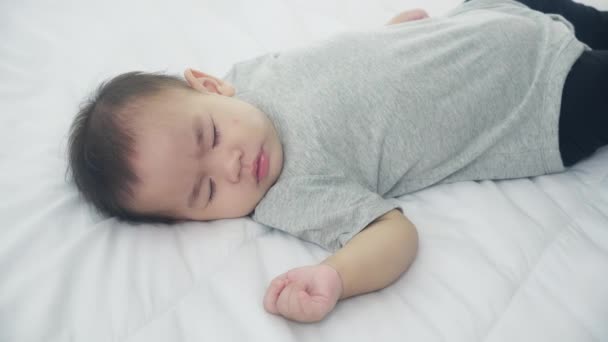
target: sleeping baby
<point>318,141</point>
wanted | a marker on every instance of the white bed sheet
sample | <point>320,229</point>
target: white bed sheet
<point>518,260</point>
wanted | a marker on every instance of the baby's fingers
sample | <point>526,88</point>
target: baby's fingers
<point>272,294</point>
<point>296,304</point>
<point>314,308</point>
<point>288,303</point>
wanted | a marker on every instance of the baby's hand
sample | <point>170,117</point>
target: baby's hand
<point>304,294</point>
<point>409,15</point>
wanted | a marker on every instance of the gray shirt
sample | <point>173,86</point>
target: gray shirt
<point>366,116</point>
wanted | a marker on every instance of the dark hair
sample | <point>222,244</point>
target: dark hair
<point>101,142</point>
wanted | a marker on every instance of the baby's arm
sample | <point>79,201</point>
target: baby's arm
<point>377,256</point>
<point>371,260</point>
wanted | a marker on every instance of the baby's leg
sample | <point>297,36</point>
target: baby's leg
<point>583,122</point>
<point>591,25</point>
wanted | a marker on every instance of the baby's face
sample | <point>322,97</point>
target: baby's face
<point>203,156</point>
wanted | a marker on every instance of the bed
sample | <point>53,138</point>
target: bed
<point>513,260</point>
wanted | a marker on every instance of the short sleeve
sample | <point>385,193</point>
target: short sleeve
<point>325,210</point>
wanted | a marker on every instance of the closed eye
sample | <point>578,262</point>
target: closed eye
<point>211,190</point>
<point>199,137</point>
<point>216,134</point>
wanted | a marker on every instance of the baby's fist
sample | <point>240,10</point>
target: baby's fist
<point>304,294</point>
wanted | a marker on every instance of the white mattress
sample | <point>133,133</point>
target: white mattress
<point>518,260</point>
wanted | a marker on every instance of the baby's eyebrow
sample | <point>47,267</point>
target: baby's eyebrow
<point>196,190</point>
<point>198,137</point>
<point>197,129</point>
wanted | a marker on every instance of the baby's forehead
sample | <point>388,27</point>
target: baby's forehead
<point>163,105</point>
<point>160,98</point>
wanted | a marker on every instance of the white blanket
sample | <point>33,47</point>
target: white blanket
<point>518,260</point>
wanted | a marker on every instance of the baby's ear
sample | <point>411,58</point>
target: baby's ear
<point>206,83</point>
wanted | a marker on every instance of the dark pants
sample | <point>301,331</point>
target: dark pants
<point>583,123</point>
